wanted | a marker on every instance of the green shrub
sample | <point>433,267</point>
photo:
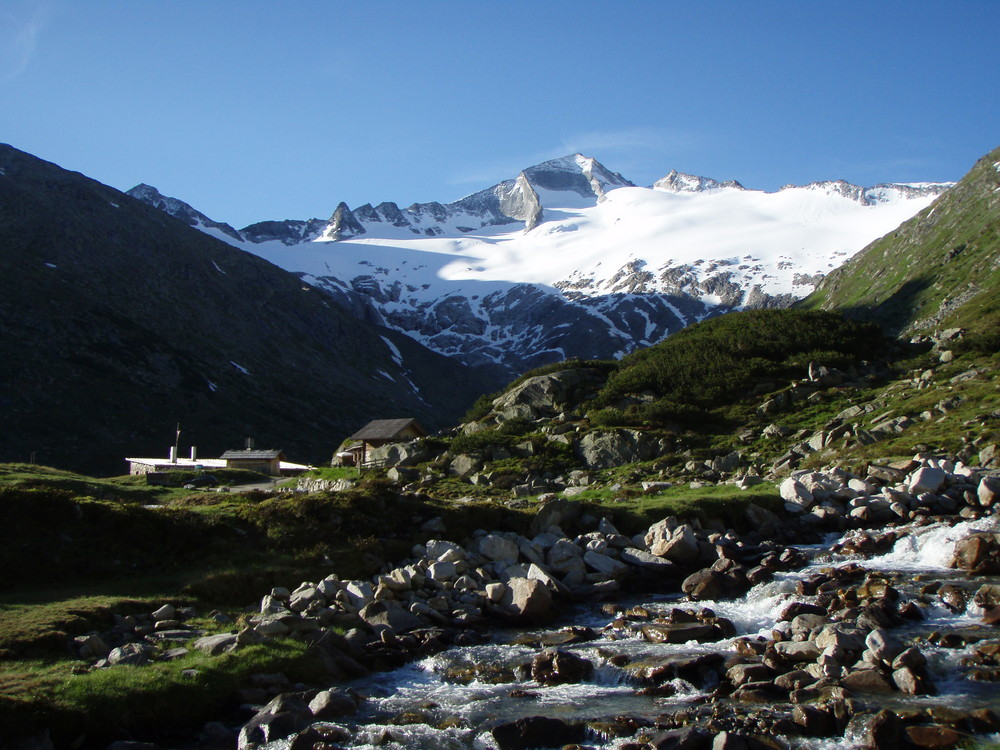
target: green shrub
<point>482,442</point>
<point>720,361</point>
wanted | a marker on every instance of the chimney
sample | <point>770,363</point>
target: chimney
<point>173,454</point>
<point>194,453</point>
<point>249,443</point>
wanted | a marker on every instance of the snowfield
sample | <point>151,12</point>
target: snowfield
<point>607,267</point>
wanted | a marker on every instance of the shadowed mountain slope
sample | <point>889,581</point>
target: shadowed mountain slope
<point>118,321</point>
<point>939,269</point>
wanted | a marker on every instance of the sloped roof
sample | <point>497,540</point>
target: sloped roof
<point>385,429</point>
<point>253,454</point>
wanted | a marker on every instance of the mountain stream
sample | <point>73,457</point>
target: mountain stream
<point>453,700</point>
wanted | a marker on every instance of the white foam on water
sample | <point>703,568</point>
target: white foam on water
<point>929,548</point>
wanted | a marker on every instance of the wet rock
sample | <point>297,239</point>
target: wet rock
<point>955,598</point>
<point>320,736</point>
<point>685,738</point>
<point>911,683</point>
<point>729,741</point>
<point>987,596</point>
<point>935,737</point>
<point>866,681</point>
<point>881,730</point>
<point>700,670</point>
<point>794,609</point>
<point>795,680</point>
<point>978,553</point>
<point>814,721</point>
<point>333,703</point>
<point>741,674</point>
<point>679,632</point>
<point>536,732</point>
<point>556,667</point>
<point>704,584</point>
<point>284,715</point>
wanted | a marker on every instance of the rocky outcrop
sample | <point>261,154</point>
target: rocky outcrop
<point>547,395</point>
<point>605,449</point>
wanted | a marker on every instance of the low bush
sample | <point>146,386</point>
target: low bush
<point>718,362</point>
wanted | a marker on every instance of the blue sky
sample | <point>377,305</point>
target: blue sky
<point>272,110</point>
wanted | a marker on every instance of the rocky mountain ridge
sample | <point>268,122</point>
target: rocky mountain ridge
<point>570,259</point>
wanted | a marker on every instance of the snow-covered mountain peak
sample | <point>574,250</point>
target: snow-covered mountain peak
<point>570,259</point>
<point>680,182</point>
<point>576,173</point>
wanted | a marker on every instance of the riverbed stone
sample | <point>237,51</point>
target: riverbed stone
<point>741,674</point>
<point>704,584</point>
<point>911,683</point>
<point>678,632</point>
<point>978,553</point>
<point>640,558</point>
<point>284,715</point>
<point>866,681</point>
<point>679,545</point>
<point>883,645</point>
<point>936,737</point>
<point>537,731</point>
<point>333,703</point>
<point>798,651</point>
<point>557,667</point>
<point>912,658</point>
<point>685,738</point>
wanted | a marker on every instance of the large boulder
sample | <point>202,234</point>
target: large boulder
<point>546,395</point>
<point>562,512</point>
<point>556,667</point>
<point>499,548</point>
<point>528,599</point>
<point>678,544</point>
<point>401,454</point>
<point>284,715</point>
<point>978,553</point>
<point>794,492</point>
<point>606,449</point>
<point>537,731</point>
<point>927,479</point>
<point>989,491</point>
